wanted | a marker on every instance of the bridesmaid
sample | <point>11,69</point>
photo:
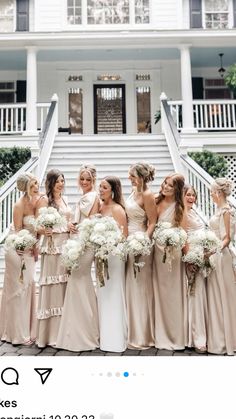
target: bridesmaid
<point>111,297</point>
<point>53,276</point>
<point>197,303</point>
<point>169,287</point>
<point>221,286</point>
<point>141,212</point>
<point>18,312</point>
<point>79,322</point>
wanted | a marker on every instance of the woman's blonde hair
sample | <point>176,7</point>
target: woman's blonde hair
<point>224,185</point>
<point>91,170</point>
<point>24,182</point>
<point>143,170</point>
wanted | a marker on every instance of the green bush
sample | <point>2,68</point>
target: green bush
<point>11,160</point>
<point>212,163</point>
<point>230,78</point>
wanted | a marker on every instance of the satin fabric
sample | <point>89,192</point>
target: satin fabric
<point>139,290</point>
<point>18,311</point>
<point>170,295</point>
<point>221,294</point>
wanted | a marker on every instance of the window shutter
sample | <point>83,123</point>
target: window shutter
<point>234,9</point>
<point>195,13</point>
<point>197,85</point>
<point>22,15</point>
<point>21,91</point>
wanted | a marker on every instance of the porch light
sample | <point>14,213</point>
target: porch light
<point>221,70</point>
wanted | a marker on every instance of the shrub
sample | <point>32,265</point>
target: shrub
<point>11,160</point>
<point>212,163</point>
<point>230,78</point>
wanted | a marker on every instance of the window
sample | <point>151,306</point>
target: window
<point>143,98</point>
<point>6,15</point>
<point>74,12</point>
<point>108,11</point>
<point>216,89</point>
<point>216,14</point>
<point>7,92</point>
<point>142,11</point>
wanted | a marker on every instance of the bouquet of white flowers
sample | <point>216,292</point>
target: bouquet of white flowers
<point>170,238</point>
<point>22,240</point>
<point>71,253</point>
<point>105,236</point>
<point>138,244</point>
<point>49,217</point>
<point>201,243</point>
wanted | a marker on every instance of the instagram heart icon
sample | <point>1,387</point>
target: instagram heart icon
<point>106,416</point>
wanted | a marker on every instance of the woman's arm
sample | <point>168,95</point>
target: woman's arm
<point>151,211</point>
<point>119,216</point>
<point>95,208</point>
<point>18,214</point>
<point>42,203</point>
<point>226,239</point>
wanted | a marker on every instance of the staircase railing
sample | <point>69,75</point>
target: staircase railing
<point>47,137</point>
<point>194,174</point>
<point>208,115</point>
<point>9,194</point>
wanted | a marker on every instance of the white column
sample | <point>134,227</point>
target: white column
<point>31,92</point>
<point>186,87</point>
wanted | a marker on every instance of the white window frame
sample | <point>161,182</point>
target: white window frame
<point>230,16</point>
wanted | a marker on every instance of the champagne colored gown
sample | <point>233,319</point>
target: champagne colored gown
<point>221,293</point>
<point>170,295</point>
<point>197,303</point>
<point>139,290</point>
<point>18,311</point>
<point>52,285</point>
<point>79,329</point>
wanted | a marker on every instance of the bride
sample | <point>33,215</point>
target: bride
<point>111,297</point>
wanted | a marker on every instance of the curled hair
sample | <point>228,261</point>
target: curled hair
<point>116,188</point>
<point>224,185</point>
<point>50,183</point>
<point>91,170</point>
<point>178,185</point>
<point>187,186</point>
<point>143,170</point>
<point>23,182</point>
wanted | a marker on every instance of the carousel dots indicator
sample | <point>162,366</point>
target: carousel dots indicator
<point>126,374</point>
<point>109,374</point>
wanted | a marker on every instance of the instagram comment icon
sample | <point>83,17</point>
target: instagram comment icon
<point>107,416</point>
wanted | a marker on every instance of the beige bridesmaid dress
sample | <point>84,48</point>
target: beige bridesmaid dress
<point>197,303</point>
<point>18,311</point>
<point>52,286</point>
<point>79,329</point>
<point>221,294</point>
<point>139,290</point>
<point>170,295</point>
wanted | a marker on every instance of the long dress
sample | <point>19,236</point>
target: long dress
<point>79,329</point>
<point>139,290</point>
<point>221,294</point>
<point>18,311</point>
<point>52,286</point>
<point>170,295</point>
<point>197,303</point>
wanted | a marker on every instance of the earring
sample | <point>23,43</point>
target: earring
<point>112,195</point>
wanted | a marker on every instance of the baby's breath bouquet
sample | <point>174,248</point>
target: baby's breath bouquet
<point>22,241</point>
<point>201,244</point>
<point>71,253</point>
<point>170,238</point>
<point>49,217</point>
<point>106,238</point>
<point>138,244</point>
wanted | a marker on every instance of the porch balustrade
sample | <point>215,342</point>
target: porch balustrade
<point>209,115</point>
<point>13,117</point>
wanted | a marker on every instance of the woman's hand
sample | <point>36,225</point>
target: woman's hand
<point>20,252</point>
<point>72,227</point>
<point>48,231</point>
<point>192,268</point>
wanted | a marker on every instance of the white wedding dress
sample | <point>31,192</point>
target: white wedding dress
<point>112,308</point>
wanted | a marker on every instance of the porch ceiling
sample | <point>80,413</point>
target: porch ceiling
<point>200,57</point>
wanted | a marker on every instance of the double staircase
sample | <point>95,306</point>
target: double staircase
<point>112,155</point>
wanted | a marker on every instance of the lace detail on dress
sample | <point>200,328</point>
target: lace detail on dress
<point>50,312</point>
<point>53,279</point>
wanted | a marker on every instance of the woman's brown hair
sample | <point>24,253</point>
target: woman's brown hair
<point>116,189</point>
<point>50,183</point>
<point>178,185</point>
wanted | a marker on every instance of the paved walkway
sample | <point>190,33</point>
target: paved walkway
<point>6,349</point>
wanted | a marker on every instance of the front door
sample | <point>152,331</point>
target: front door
<point>109,109</point>
<point>76,110</point>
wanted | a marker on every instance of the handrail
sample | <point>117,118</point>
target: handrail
<point>47,122</point>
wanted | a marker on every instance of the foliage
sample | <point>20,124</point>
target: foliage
<point>11,160</point>
<point>230,78</point>
<point>212,163</point>
<point>157,116</point>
